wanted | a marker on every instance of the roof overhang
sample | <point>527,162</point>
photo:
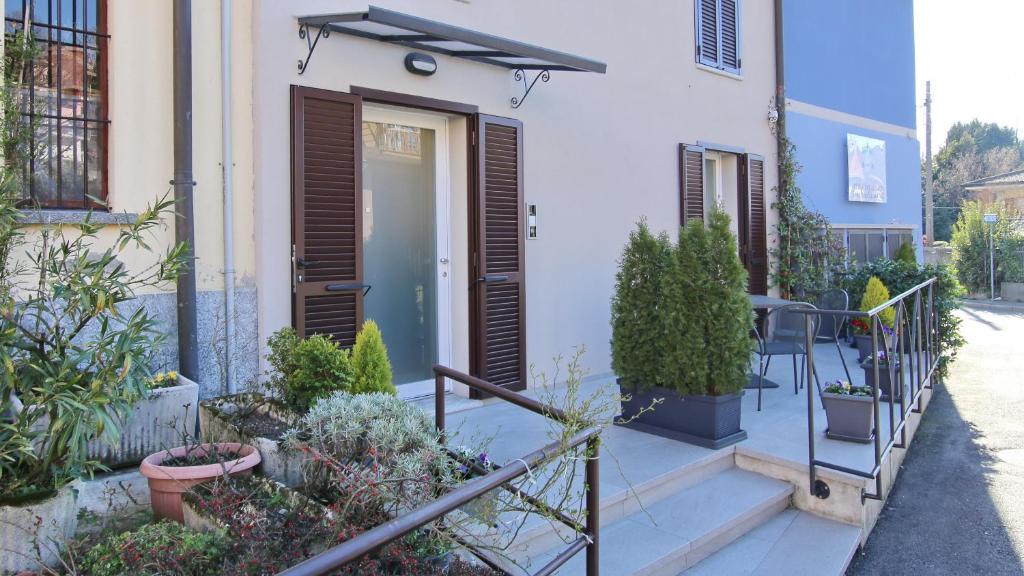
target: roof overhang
<point>431,36</point>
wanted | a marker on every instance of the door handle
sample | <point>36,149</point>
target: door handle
<point>303,263</point>
<point>348,288</point>
<point>493,278</point>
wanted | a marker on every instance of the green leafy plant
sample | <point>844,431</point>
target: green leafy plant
<point>807,255</point>
<point>971,258</point>
<point>708,317</point>
<point>155,549</point>
<point>900,277</point>
<point>1010,253</point>
<point>307,370</point>
<point>876,294</point>
<point>75,356</point>
<point>842,387</point>
<point>370,365</point>
<point>905,253</point>
<point>638,344</point>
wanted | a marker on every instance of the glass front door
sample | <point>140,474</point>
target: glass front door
<point>405,241</point>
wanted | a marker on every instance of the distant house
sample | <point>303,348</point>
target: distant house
<point>1007,188</point>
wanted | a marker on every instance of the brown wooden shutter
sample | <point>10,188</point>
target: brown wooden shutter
<point>327,236</point>
<point>691,183</point>
<point>752,202</point>
<point>498,349</point>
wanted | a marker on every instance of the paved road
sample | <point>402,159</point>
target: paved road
<point>958,505</point>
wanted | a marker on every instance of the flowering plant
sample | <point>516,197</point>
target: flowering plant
<point>163,380</point>
<point>844,388</point>
<point>468,463</point>
<point>860,326</point>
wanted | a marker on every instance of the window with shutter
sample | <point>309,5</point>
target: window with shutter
<point>718,34</point>
<point>754,234</point>
<point>691,183</point>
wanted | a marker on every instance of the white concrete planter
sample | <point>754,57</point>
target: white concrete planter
<point>218,424</point>
<point>23,545</point>
<point>155,423</point>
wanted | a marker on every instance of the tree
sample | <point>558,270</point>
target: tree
<point>972,150</point>
<point>971,257</point>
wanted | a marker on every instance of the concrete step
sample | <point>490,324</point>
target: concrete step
<point>541,534</point>
<point>793,543</point>
<point>682,528</point>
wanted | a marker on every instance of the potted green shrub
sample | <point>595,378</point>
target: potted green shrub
<point>875,294</point>
<point>681,322</point>
<point>850,411</point>
<point>75,362</point>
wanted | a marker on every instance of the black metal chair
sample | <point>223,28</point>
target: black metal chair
<point>785,335</point>
<point>832,326</point>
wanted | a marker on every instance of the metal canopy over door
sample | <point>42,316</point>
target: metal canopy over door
<point>498,293</point>
<point>327,251</point>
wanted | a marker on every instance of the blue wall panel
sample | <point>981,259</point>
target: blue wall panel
<point>821,150</point>
<point>855,56</point>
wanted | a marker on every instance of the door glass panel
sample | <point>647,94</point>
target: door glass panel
<point>710,186</point>
<point>399,244</point>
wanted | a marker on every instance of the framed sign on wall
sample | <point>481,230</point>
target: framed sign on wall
<point>865,164</point>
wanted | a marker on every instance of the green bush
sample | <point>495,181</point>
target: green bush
<point>720,308</point>
<point>75,352</point>
<point>154,549</point>
<point>370,365</point>
<point>971,258</point>
<point>906,253</point>
<point>322,368</point>
<point>638,343</point>
<point>900,277</point>
<point>876,294</point>
<point>681,318</point>
<point>1010,255</point>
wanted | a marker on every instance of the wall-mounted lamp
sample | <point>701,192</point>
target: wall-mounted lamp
<point>420,63</point>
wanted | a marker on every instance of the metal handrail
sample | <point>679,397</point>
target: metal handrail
<point>369,541</point>
<point>925,353</point>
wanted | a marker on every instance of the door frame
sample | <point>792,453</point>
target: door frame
<point>442,216</point>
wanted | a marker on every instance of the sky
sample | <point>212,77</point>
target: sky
<point>971,53</point>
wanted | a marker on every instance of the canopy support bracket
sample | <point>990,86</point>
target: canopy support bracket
<point>520,76</point>
<point>322,31</point>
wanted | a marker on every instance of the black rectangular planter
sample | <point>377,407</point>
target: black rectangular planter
<point>885,384</point>
<point>707,421</point>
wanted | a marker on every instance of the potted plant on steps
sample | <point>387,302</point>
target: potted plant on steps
<point>681,322</point>
<point>888,374</point>
<point>850,411</point>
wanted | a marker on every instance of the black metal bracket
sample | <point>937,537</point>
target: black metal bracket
<point>821,489</point>
<point>323,31</point>
<point>520,76</point>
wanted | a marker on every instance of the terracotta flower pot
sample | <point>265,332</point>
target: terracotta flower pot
<point>166,483</point>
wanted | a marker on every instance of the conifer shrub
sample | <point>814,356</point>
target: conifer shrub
<point>709,316</point>
<point>370,365</point>
<point>905,253</point>
<point>638,343</point>
<point>875,294</point>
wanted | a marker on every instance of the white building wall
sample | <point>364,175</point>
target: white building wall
<point>600,151</point>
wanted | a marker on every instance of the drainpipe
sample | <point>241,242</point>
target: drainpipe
<point>229,200</point>
<point>184,230</point>
<point>780,89</point>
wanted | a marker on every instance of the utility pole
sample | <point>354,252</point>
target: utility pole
<point>929,206</point>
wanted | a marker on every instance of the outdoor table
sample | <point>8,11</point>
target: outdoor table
<point>766,303</point>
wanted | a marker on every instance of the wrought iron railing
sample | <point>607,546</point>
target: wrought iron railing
<point>915,337</point>
<point>501,478</point>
